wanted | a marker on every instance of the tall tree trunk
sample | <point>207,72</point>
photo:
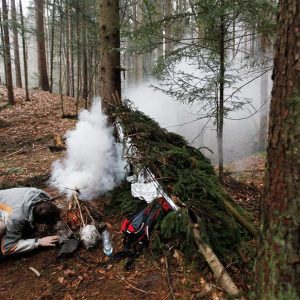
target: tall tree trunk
<point>147,66</point>
<point>158,17</point>
<point>52,45</point>
<point>71,47</point>
<point>139,68</point>
<point>221,93</point>
<point>277,266</point>
<point>3,47</point>
<point>84,56</point>
<point>41,51</point>
<point>67,30</point>
<point>24,52</point>
<point>110,77</point>
<point>9,83</point>
<point>169,43</point>
<point>16,45</point>
<point>60,59</point>
<point>263,116</point>
<point>78,92</point>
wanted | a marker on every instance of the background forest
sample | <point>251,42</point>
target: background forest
<point>209,63</point>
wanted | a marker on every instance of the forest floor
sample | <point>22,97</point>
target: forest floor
<point>26,132</point>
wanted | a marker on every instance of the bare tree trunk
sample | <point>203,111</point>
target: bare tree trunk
<point>220,273</point>
<point>16,45</point>
<point>264,94</point>
<point>60,60</point>
<point>41,51</point>
<point>169,43</point>
<point>52,46</point>
<point>3,47</point>
<point>67,30</point>
<point>84,57</point>
<point>263,116</point>
<point>71,47</point>
<point>277,265</point>
<point>221,94</point>
<point>147,59</point>
<point>139,70</point>
<point>9,83</point>
<point>78,94</point>
<point>24,52</point>
<point>159,16</point>
<point>110,77</point>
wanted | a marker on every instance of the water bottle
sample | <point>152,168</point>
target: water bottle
<point>106,242</point>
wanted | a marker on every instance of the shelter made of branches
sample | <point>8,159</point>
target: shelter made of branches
<point>188,176</point>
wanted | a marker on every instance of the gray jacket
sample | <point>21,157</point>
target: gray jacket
<point>16,211</point>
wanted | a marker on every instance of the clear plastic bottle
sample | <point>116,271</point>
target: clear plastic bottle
<point>106,242</point>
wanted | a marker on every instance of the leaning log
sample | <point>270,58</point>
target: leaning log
<point>250,228</point>
<point>221,275</point>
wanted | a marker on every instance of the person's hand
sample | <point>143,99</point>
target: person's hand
<point>48,241</point>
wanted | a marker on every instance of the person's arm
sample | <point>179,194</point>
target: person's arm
<point>13,243</point>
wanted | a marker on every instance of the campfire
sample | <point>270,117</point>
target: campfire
<point>82,220</point>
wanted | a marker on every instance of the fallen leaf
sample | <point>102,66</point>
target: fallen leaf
<point>60,279</point>
<point>68,297</point>
<point>69,272</point>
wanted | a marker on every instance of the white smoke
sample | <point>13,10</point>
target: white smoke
<point>240,134</point>
<point>93,162</point>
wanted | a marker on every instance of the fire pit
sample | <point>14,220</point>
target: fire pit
<point>83,221</point>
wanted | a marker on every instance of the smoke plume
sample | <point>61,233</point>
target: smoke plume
<point>93,162</point>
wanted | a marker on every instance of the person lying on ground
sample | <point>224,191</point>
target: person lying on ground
<point>20,210</point>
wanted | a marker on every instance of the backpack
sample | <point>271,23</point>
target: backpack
<point>136,229</point>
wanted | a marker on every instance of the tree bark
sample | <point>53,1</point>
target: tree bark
<point>60,60</point>
<point>139,70</point>
<point>24,52</point>
<point>221,275</point>
<point>158,17</point>
<point>263,116</point>
<point>3,43</point>
<point>52,46</point>
<point>169,43</point>
<point>71,47</point>
<point>278,262</point>
<point>110,77</point>
<point>16,45</point>
<point>221,94</point>
<point>78,88</point>
<point>41,50</point>
<point>67,30</point>
<point>9,83</point>
<point>84,56</point>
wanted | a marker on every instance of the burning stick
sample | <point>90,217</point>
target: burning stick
<point>77,202</point>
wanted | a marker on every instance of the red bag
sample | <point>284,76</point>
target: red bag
<point>136,229</point>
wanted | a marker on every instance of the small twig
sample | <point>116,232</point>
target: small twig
<point>35,271</point>
<point>132,286</point>
<point>163,178</point>
<point>167,296</point>
<point>169,278</point>
<point>89,214</point>
<point>81,216</point>
<point>11,154</point>
<point>2,289</point>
